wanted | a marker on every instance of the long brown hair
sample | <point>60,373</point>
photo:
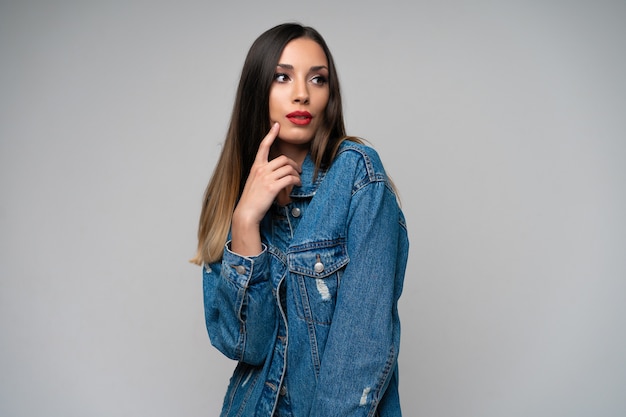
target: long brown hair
<point>249,123</point>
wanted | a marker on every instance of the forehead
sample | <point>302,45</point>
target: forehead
<point>303,52</point>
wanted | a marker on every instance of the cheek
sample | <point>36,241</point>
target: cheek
<point>276,100</point>
<point>324,100</point>
<point>272,102</point>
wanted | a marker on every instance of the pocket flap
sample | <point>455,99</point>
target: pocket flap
<point>318,259</point>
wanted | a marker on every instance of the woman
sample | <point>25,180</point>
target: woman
<point>303,245</point>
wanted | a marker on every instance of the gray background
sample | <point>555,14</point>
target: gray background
<point>502,123</point>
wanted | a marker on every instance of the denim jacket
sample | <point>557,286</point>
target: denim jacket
<point>313,319</point>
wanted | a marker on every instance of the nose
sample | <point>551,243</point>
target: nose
<point>300,92</point>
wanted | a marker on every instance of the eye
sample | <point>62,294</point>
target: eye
<point>319,80</point>
<point>281,77</point>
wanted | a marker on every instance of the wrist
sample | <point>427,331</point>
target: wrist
<point>244,220</point>
<point>245,235</point>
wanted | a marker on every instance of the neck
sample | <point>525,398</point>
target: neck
<point>293,151</point>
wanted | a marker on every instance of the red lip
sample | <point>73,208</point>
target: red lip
<point>300,118</point>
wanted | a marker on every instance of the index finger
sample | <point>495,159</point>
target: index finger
<point>264,147</point>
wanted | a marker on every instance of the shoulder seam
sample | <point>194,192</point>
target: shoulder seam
<point>367,159</point>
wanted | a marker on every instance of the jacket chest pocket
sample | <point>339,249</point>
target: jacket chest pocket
<point>315,271</point>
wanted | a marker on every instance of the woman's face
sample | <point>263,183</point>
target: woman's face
<point>299,93</point>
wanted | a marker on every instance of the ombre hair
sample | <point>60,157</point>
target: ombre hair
<point>249,123</point>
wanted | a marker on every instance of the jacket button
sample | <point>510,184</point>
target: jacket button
<point>318,267</point>
<point>296,212</point>
<point>240,269</point>
<point>283,390</point>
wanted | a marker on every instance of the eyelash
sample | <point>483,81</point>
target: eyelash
<point>317,79</point>
<point>280,75</point>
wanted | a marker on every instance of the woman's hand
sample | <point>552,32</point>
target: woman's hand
<point>267,178</point>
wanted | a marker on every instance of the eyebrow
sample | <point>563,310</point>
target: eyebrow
<point>314,68</point>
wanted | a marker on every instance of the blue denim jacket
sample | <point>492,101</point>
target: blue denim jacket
<point>313,319</point>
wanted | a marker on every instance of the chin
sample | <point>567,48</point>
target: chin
<point>296,141</point>
<point>297,138</point>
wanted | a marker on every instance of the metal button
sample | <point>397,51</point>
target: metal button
<point>296,212</point>
<point>240,269</point>
<point>318,267</point>
<point>283,390</point>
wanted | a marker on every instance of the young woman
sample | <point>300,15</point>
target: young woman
<point>303,245</point>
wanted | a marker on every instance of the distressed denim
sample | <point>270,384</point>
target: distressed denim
<point>313,319</point>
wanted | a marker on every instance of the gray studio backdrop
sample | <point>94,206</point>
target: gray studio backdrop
<point>502,123</point>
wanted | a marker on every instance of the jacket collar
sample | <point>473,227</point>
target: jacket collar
<point>309,184</point>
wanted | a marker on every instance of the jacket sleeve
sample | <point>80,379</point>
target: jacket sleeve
<point>360,357</point>
<point>239,307</point>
